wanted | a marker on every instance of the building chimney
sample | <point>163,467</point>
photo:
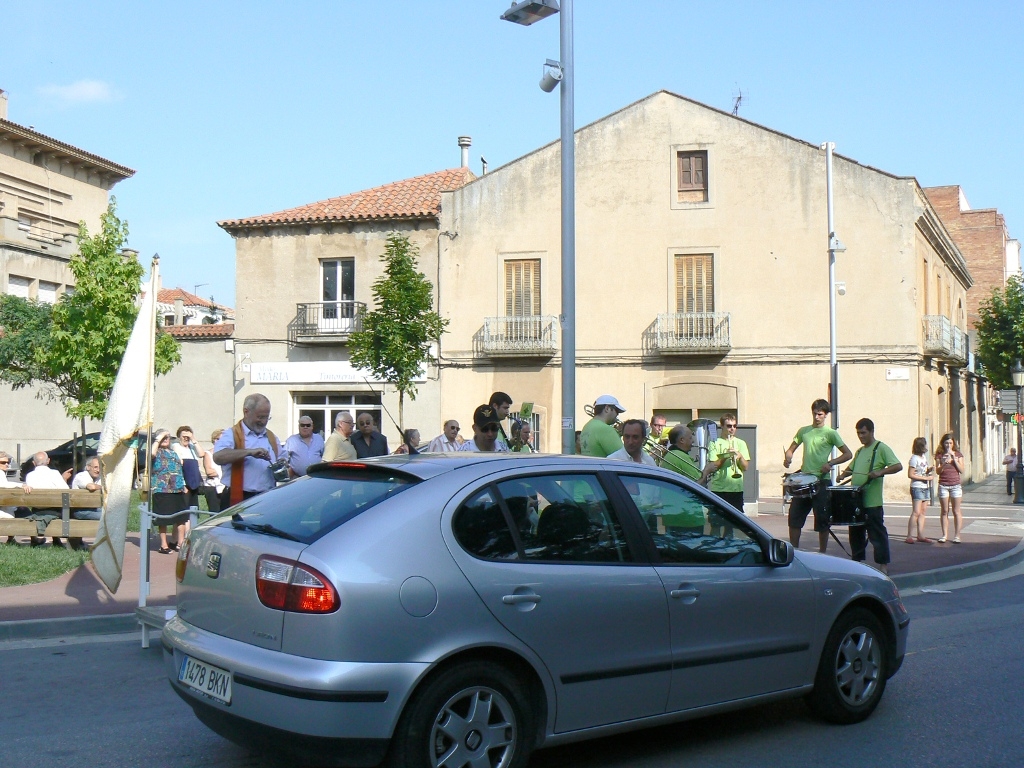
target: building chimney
<point>465,142</point>
<point>179,312</point>
<point>3,105</point>
<point>483,165</point>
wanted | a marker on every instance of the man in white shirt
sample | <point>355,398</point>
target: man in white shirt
<point>43,476</point>
<point>486,426</point>
<point>447,441</point>
<point>305,448</point>
<point>5,464</point>
<point>634,433</point>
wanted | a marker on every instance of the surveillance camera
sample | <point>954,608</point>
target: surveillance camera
<point>841,289</point>
<point>552,77</point>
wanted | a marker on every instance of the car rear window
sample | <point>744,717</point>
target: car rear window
<point>307,508</point>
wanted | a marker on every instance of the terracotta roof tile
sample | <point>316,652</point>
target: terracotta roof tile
<point>208,331</point>
<point>416,198</point>
<point>170,295</point>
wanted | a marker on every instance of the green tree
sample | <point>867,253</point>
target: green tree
<point>1001,332</point>
<point>24,328</point>
<point>396,336</point>
<point>74,349</point>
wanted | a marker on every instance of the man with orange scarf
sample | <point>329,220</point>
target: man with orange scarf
<point>246,451</point>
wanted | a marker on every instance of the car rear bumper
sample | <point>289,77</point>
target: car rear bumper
<point>295,695</point>
<point>318,750</point>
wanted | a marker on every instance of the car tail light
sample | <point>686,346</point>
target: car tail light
<point>182,561</point>
<point>287,586</point>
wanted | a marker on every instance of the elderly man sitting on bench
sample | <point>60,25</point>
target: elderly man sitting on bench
<point>5,464</point>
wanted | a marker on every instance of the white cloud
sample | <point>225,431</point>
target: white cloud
<point>81,92</point>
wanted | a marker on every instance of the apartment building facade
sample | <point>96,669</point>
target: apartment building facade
<point>702,286</point>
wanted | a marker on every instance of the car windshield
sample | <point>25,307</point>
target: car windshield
<point>308,508</point>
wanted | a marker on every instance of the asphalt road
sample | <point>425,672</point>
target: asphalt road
<point>957,701</point>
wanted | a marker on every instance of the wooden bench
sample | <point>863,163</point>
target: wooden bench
<point>52,499</point>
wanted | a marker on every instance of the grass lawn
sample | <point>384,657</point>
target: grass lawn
<point>29,565</point>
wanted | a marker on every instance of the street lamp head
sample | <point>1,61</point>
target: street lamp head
<point>1017,372</point>
<point>552,76</point>
<point>530,11</point>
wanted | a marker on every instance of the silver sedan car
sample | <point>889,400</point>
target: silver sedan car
<point>466,609</point>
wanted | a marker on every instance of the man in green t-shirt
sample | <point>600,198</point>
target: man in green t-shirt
<point>728,458</point>
<point>598,437</point>
<point>818,442</point>
<point>874,460</point>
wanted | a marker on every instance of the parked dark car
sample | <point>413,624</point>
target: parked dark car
<point>62,457</point>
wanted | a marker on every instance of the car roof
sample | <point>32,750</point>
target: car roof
<point>428,465</point>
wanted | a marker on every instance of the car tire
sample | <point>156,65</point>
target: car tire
<point>459,715</point>
<point>853,669</point>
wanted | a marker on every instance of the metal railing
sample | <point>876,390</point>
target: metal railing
<point>692,333</point>
<point>326,320</point>
<point>520,336</point>
<point>943,339</point>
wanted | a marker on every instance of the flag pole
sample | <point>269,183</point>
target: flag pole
<point>145,519</point>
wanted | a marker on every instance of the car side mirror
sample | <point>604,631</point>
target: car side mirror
<point>780,552</point>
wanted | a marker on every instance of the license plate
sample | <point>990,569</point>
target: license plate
<point>207,679</point>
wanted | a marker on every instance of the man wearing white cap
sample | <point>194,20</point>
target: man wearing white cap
<point>599,437</point>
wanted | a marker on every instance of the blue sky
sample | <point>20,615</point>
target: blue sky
<point>230,109</point>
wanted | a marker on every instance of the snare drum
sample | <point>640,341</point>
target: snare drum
<point>845,505</point>
<point>800,485</point>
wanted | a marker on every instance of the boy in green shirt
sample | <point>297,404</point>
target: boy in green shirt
<point>818,442</point>
<point>873,461</point>
<point>728,458</point>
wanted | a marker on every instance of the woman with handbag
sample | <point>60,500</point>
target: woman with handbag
<point>950,464</point>
<point>168,492</point>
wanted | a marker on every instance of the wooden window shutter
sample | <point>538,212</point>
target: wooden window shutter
<point>522,287</point>
<point>695,283</point>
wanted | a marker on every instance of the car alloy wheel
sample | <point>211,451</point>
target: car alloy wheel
<point>858,666</point>
<point>852,671</point>
<point>476,724</point>
<point>470,714</point>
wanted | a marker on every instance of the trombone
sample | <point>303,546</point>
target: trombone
<point>589,410</point>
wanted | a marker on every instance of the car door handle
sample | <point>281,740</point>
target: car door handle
<point>517,599</point>
<point>682,593</point>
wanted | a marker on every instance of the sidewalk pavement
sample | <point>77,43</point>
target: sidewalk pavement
<point>77,603</point>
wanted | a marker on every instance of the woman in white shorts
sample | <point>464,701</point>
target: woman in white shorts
<point>921,473</point>
<point>950,464</point>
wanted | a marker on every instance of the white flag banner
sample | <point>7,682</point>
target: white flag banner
<point>128,412</point>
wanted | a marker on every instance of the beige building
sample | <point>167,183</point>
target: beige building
<point>46,188</point>
<point>702,286</point>
<point>304,279</point>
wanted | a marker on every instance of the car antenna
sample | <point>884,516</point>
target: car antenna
<point>397,425</point>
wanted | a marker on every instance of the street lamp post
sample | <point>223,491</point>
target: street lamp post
<point>526,13</point>
<point>1017,372</point>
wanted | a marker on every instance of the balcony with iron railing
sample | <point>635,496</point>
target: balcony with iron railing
<point>692,333</point>
<point>944,340</point>
<point>326,322</point>
<point>520,336</point>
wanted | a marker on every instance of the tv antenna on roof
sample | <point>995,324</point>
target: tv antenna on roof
<point>736,101</point>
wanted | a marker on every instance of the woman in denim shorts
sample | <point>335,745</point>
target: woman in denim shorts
<point>921,474</point>
<point>950,464</point>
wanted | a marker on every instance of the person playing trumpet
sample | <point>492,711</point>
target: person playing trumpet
<point>728,458</point>
<point>598,437</point>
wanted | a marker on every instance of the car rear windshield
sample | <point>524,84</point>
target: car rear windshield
<point>307,508</point>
